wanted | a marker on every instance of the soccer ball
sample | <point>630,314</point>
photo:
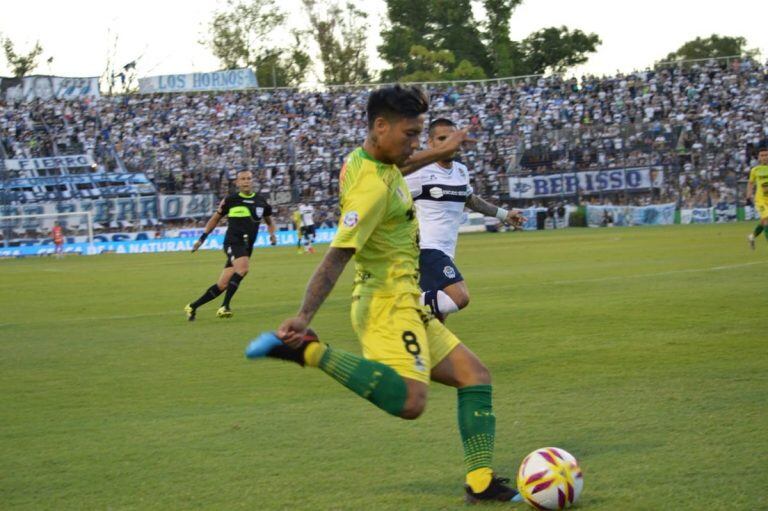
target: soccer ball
<point>550,478</point>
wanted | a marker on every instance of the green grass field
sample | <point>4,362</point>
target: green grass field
<point>638,350</point>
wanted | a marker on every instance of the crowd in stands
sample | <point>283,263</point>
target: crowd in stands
<point>696,121</point>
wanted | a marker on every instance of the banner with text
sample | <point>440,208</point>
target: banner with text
<point>606,216</point>
<point>105,211</point>
<point>214,242</point>
<point>234,79</point>
<point>585,183</point>
<point>48,87</point>
<point>53,162</point>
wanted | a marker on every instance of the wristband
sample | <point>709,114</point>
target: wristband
<point>501,214</point>
<point>203,237</point>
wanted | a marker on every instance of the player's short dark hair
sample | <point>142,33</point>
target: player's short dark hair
<point>440,121</point>
<point>240,171</point>
<point>396,102</point>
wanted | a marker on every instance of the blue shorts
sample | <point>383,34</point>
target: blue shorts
<point>438,271</point>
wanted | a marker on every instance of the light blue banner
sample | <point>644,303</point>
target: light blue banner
<point>232,79</point>
<point>214,242</point>
<point>657,214</point>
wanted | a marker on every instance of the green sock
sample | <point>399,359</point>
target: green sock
<point>374,381</point>
<point>758,230</point>
<point>477,426</point>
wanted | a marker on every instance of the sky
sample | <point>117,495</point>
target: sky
<point>164,35</point>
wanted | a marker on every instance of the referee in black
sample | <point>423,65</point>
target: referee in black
<point>244,211</point>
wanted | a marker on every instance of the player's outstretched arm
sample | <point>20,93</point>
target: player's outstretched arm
<point>750,190</point>
<point>210,226</point>
<point>512,217</point>
<point>442,152</point>
<point>292,330</point>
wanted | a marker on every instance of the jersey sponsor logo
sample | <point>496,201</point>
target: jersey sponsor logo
<point>450,193</point>
<point>449,272</point>
<point>247,202</point>
<point>351,219</point>
<point>436,192</point>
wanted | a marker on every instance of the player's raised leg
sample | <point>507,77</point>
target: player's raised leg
<point>371,380</point>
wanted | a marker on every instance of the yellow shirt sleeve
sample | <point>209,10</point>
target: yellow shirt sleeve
<point>362,209</point>
<point>753,175</point>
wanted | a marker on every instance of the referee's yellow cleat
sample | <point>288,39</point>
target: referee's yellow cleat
<point>224,312</point>
<point>190,311</point>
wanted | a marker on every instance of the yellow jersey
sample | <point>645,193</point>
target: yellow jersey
<point>758,176</point>
<point>378,220</point>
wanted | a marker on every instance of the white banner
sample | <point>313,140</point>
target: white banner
<point>106,211</point>
<point>53,162</point>
<point>697,216</point>
<point>609,216</point>
<point>234,79</point>
<point>185,206</point>
<point>48,87</point>
<point>585,183</point>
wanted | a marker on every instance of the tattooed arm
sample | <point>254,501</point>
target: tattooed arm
<point>329,270</point>
<point>512,217</point>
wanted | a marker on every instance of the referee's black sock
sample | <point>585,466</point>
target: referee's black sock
<point>211,293</point>
<point>234,283</point>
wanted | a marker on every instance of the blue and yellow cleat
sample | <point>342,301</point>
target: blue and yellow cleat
<point>263,345</point>
<point>190,312</point>
<point>269,345</point>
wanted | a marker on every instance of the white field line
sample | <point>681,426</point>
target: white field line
<point>661,273</point>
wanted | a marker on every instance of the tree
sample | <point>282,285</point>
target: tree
<point>556,49</point>
<point>432,65</point>
<point>450,25</point>
<point>429,65</point>
<point>239,37</point>
<point>713,46</point>
<point>502,52</point>
<point>341,36</point>
<point>455,29</point>
<point>21,64</point>
<point>408,26</point>
<point>440,25</point>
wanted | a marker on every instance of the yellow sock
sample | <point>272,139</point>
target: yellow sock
<point>314,353</point>
<point>479,479</point>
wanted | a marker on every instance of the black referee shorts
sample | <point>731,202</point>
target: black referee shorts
<point>235,251</point>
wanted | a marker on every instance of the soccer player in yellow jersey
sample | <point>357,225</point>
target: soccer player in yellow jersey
<point>299,234</point>
<point>404,348</point>
<point>757,190</point>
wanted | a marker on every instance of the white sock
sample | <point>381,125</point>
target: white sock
<point>444,303</point>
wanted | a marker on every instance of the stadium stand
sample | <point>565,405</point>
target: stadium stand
<point>697,122</point>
